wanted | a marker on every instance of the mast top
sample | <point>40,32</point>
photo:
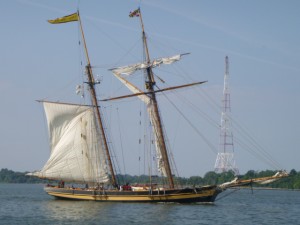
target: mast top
<point>91,82</point>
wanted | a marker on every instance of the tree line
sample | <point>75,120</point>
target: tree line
<point>210,178</point>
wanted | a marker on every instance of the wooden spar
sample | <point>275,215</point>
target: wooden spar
<point>149,92</point>
<point>64,103</point>
<point>261,180</point>
<point>91,83</point>
<point>150,82</point>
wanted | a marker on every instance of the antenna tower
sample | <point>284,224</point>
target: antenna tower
<point>225,159</point>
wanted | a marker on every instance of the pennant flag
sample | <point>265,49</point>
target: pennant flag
<point>65,19</point>
<point>135,13</point>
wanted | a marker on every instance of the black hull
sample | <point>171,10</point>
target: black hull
<point>205,194</point>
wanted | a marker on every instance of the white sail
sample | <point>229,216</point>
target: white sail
<point>128,70</point>
<point>150,109</point>
<point>76,151</point>
<point>155,126</point>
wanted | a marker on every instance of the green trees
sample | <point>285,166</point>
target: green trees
<point>9,176</point>
<point>210,178</point>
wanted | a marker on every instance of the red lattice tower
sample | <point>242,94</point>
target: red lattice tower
<point>225,159</point>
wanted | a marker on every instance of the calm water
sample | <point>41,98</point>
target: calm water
<point>29,204</point>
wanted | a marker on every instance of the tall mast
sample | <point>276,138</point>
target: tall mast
<point>91,83</point>
<point>149,83</point>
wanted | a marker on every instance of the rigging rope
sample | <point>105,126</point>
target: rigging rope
<point>229,193</point>
<point>211,146</point>
<point>121,142</point>
<point>256,148</point>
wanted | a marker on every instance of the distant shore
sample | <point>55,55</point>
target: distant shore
<point>210,178</point>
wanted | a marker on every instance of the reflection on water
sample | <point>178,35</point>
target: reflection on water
<point>73,210</point>
<point>64,210</point>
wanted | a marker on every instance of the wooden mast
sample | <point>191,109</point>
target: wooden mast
<point>150,82</point>
<point>91,83</point>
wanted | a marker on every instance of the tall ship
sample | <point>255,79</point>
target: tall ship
<point>80,154</point>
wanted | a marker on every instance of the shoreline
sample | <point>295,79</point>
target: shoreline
<point>266,188</point>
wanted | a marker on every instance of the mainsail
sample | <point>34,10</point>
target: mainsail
<point>150,108</point>
<point>76,151</point>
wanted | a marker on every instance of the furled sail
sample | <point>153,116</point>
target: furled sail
<point>128,70</point>
<point>262,180</point>
<point>150,108</point>
<point>76,151</point>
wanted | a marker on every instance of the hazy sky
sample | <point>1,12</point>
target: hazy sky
<point>262,39</point>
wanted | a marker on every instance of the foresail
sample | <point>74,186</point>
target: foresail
<point>147,100</point>
<point>128,70</point>
<point>76,151</point>
<point>158,141</point>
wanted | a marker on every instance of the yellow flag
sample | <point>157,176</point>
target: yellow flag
<point>65,19</point>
